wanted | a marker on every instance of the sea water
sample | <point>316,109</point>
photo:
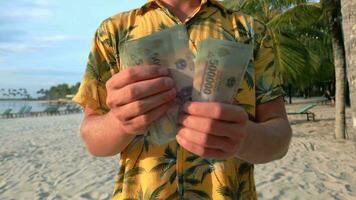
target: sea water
<point>16,105</point>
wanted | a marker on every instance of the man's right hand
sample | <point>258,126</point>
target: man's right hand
<point>139,95</point>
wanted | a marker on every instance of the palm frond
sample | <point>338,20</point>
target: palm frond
<point>191,181</point>
<point>134,172</point>
<point>244,168</point>
<point>173,196</point>
<point>198,193</point>
<point>291,57</point>
<point>173,177</point>
<point>156,192</point>
<point>169,154</point>
<point>226,191</point>
<point>300,16</point>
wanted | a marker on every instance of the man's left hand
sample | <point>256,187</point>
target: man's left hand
<point>214,130</point>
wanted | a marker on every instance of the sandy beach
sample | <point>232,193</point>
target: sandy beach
<point>44,158</point>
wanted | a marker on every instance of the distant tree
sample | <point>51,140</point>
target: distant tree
<point>42,92</point>
<point>58,91</point>
<point>74,89</point>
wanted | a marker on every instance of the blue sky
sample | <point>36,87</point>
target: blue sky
<point>46,42</point>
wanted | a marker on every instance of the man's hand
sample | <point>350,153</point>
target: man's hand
<point>212,129</point>
<point>139,95</point>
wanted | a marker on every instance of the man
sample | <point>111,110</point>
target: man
<point>216,144</point>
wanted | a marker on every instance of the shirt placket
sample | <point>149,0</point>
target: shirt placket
<point>181,155</point>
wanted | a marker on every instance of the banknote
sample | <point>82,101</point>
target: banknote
<point>167,48</point>
<point>220,66</point>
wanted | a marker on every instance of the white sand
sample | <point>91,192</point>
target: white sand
<point>316,166</point>
<point>43,158</point>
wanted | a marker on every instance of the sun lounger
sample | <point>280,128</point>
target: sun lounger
<point>52,110</point>
<point>305,111</point>
<point>27,111</point>
<point>69,109</point>
<point>6,113</point>
<point>20,112</point>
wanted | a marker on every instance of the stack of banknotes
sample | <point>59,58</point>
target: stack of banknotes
<point>213,74</point>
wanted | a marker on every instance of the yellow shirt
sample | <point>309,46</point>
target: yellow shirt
<point>149,171</point>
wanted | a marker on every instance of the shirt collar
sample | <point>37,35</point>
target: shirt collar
<point>202,2</point>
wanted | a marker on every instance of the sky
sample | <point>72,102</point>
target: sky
<point>47,42</point>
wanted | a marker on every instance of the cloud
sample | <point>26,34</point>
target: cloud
<point>40,71</point>
<point>18,10</point>
<point>14,38</point>
<point>18,47</point>
<point>19,43</point>
<point>58,38</point>
<point>43,2</point>
<point>25,13</point>
<point>11,35</point>
<point>13,15</point>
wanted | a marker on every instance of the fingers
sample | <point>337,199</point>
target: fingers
<point>139,95</point>
<point>207,125</point>
<point>136,108</point>
<point>139,90</point>
<point>219,111</point>
<point>135,74</point>
<point>204,140</point>
<point>142,122</point>
<point>199,150</point>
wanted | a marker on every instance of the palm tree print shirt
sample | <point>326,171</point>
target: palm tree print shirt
<point>150,171</point>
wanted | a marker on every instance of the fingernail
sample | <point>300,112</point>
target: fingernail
<point>163,71</point>
<point>169,82</point>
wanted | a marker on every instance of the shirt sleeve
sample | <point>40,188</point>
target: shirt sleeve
<point>102,60</point>
<point>268,83</point>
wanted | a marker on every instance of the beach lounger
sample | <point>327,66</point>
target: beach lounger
<point>68,109</point>
<point>72,109</point>
<point>20,112</point>
<point>305,111</point>
<point>52,110</point>
<point>27,111</point>
<point>76,109</point>
<point>6,113</point>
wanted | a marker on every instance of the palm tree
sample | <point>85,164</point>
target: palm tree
<point>349,20</point>
<point>43,93</point>
<point>298,40</point>
<point>2,90</point>
<point>332,11</point>
<point>295,39</point>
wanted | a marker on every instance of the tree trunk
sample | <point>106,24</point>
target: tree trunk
<point>340,76</point>
<point>333,13</point>
<point>348,9</point>
<point>290,93</point>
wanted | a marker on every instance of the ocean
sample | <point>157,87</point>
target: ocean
<point>16,105</point>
